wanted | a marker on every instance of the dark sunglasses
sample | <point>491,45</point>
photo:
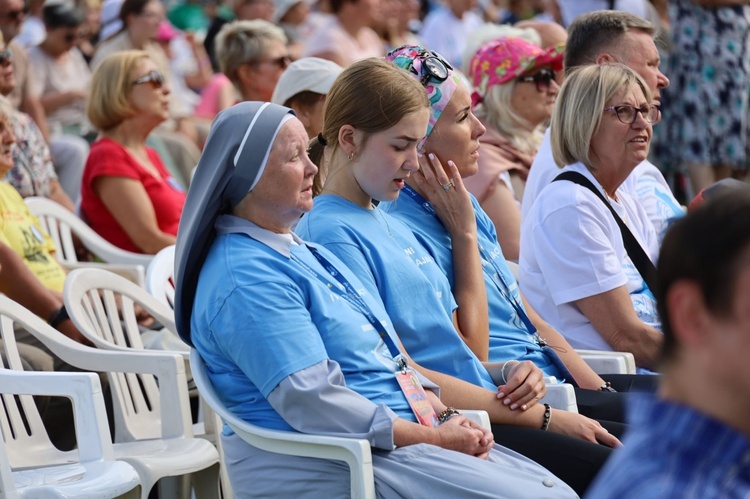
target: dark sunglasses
<point>434,67</point>
<point>6,58</point>
<point>542,79</point>
<point>72,37</point>
<point>280,62</point>
<point>14,15</point>
<point>153,78</point>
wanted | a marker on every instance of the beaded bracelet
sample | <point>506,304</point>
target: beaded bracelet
<point>447,413</point>
<point>547,417</point>
<point>59,316</point>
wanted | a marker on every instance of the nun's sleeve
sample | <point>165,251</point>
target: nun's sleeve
<point>316,400</point>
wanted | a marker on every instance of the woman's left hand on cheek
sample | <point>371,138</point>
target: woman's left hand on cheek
<point>447,194</point>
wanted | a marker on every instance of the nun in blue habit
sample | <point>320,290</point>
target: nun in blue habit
<point>291,342</point>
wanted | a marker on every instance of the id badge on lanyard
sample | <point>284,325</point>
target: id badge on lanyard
<point>406,376</point>
<point>417,398</point>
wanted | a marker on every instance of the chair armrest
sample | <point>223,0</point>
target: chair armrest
<point>560,396</point>
<point>132,272</point>
<point>84,391</point>
<point>479,417</point>
<point>355,452</point>
<point>603,362</point>
<point>169,369</point>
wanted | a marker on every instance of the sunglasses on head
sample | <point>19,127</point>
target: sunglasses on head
<point>433,67</point>
<point>153,78</point>
<point>542,79</point>
<point>6,58</point>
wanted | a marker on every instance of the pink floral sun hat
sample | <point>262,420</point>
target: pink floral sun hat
<point>506,58</point>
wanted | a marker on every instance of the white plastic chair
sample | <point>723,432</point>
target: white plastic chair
<point>172,454</point>
<point>61,224</point>
<point>160,276</point>
<point>355,452</point>
<point>30,466</point>
<point>91,297</point>
<point>90,472</point>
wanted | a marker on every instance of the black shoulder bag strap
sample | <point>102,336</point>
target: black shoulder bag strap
<point>635,251</point>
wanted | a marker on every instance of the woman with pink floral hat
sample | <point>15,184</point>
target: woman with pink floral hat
<point>515,88</point>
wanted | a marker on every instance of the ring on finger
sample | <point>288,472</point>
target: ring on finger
<point>448,185</point>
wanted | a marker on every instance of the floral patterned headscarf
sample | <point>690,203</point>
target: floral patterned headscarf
<point>412,58</point>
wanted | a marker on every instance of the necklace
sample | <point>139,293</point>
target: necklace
<point>381,220</point>
<point>382,217</point>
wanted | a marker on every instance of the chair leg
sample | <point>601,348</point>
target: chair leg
<point>135,493</point>
<point>206,483</point>
<point>174,487</point>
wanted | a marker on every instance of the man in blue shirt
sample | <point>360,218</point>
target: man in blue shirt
<point>693,440</point>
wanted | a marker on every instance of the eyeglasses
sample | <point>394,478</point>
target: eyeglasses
<point>6,58</point>
<point>627,113</point>
<point>433,66</point>
<point>153,78</point>
<point>280,62</point>
<point>542,79</point>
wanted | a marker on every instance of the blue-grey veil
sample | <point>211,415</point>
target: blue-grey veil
<point>232,162</point>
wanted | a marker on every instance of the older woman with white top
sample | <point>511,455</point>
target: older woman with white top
<point>575,268</point>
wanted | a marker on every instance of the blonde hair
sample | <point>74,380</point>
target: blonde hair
<point>580,106</point>
<point>109,103</point>
<point>242,42</point>
<point>371,95</point>
<point>496,110</point>
<point>6,108</point>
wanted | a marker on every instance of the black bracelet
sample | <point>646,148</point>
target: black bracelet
<point>59,316</point>
<point>607,387</point>
<point>447,413</point>
<point>547,417</point>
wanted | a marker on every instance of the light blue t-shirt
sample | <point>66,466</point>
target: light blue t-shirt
<point>390,262</point>
<point>509,338</point>
<point>260,316</point>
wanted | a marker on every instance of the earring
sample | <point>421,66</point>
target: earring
<point>351,156</point>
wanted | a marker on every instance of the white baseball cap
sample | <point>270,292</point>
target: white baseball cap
<point>310,74</point>
<point>284,6</point>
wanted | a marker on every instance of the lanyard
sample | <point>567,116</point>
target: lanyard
<point>348,293</point>
<point>497,277</point>
<point>504,289</point>
<point>345,290</point>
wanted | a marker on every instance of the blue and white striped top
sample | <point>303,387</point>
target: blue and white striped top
<point>674,451</point>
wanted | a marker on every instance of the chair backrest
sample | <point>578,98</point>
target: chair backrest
<point>61,224</point>
<point>160,276</point>
<point>25,438</point>
<point>102,306</point>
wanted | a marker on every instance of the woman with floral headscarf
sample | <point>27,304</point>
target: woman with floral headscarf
<point>514,92</point>
<point>292,341</point>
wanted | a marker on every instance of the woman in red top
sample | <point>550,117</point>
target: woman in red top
<point>127,195</point>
